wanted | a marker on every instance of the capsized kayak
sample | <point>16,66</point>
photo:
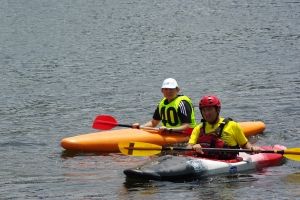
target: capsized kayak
<point>108,140</point>
<point>179,168</point>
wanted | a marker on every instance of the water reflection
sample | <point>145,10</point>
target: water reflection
<point>72,154</point>
<point>212,187</point>
<point>292,183</point>
<point>292,178</point>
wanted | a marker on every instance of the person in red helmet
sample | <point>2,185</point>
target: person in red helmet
<point>217,132</point>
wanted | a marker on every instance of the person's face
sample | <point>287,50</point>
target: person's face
<point>210,113</point>
<point>170,94</point>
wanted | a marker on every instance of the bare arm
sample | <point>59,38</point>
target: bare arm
<point>248,145</point>
<point>196,147</point>
<point>152,123</point>
<point>189,145</point>
<point>183,127</point>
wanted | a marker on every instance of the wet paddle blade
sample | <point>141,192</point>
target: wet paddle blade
<point>292,157</point>
<point>104,122</point>
<point>292,153</point>
<point>139,148</point>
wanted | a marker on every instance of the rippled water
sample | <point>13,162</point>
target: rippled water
<point>65,62</point>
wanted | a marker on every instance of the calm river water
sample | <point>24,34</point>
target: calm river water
<point>65,62</point>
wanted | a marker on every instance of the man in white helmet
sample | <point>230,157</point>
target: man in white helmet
<point>174,111</point>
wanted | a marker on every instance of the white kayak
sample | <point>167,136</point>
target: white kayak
<point>177,168</point>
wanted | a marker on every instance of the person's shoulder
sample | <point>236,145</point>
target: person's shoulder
<point>234,124</point>
<point>163,100</point>
<point>231,121</point>
<point>183,98</point>
<point>198,126</point>
<point>182,95</point>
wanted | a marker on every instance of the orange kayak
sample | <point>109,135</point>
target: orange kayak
<point>108,140</point>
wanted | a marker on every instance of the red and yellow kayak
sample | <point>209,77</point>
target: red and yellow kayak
<point>108,140</point>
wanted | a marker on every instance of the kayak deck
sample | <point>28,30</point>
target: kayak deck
<point>177,168</point>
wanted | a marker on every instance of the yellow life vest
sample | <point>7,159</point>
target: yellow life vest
<point>169,113</point>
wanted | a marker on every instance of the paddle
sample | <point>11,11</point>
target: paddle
<point>106,122</point>
<point>147,149</point>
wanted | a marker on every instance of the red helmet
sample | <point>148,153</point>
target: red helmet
<point>209,100</point>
